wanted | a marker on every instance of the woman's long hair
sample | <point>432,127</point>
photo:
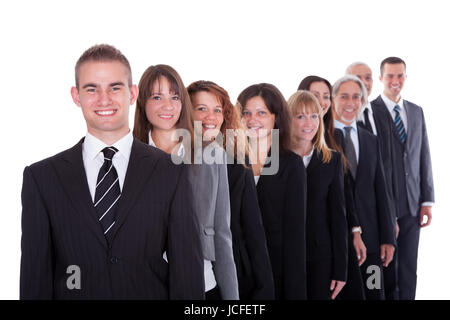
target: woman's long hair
<point>306,102</point>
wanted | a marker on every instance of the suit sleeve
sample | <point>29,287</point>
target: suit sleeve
<point>224,267</point>
<point>386,213</point>
<point>294,233</point>
<point>338,221</point>
<point>186,270</point>
<point>36,267</point>
<point>426,174</point>
<point>255,240</point>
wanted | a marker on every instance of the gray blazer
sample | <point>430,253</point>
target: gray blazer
<point>212,206</point>
<point>416,161</point>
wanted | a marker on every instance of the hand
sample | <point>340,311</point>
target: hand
<point>360,248</point>
<point>336,286</point>
<point>397,230</point>
<point>387,254</point>
<point>425,211</point>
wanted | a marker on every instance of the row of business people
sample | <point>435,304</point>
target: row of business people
<point>138,226</point>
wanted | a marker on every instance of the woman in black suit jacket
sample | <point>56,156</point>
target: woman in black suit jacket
<point>212,106</point>
<point>326,225</point>
<point>281,186</point>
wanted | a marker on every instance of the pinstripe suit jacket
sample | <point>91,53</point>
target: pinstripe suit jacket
<point>154,214</point>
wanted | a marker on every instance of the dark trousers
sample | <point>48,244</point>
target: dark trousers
<point>354,287</point>
<point>390,274</point>
<point>373,259</point>
<point>357,287</point>
<point>318,279</point>
<point>407,247</point>
<point>213,294</point>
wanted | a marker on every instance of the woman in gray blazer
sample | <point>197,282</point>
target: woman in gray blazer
<point>220,120</point>
<point>162,107</point>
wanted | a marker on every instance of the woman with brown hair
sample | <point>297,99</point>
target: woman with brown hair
<point>212,106</point>
<point>326,224</point>
<point>281,186</point>
<point>321,88</point>
<point>162,107</point>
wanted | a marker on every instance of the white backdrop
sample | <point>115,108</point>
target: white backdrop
<point>233,43</point>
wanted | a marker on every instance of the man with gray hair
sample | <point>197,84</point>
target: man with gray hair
<point>369,120</point>
<point>373,236</point>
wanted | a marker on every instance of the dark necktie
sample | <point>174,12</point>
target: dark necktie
<point>399,124</point>
<point>350,152</point>
<point>107,192</point>
<point>366,120</point>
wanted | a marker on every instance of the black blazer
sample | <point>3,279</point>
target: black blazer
<point>384,136</point>
<point>282,201</point>
<point>249,240</point>
<point>371,202</point>
<point>154,214</point>
<point>326,224</point>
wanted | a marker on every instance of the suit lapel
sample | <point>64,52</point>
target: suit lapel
<point>381,115</point>
<point>362,156</point>
<point>72,174</point>
<point>384,119</point>
<point>140,167</point>
<point>313,162</point>
<point>412,123</point>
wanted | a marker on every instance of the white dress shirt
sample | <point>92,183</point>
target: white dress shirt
<point>210,279</point>
<point>307,158</point>
<point>93,158</point>
<point>256,179</point>
<point>391,105</point>
<point>368,106</point>
<point>353,134</point>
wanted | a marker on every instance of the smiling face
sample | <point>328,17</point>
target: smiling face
<point>347,102</point>
<point>322,93</point>
<point>305,124</point>
<point>257,117</point>
<point>105,98</point>
<point>208,110</point>
<point>163,107</point>
<point>393,79</point>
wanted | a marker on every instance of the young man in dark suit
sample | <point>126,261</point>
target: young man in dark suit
<point>402,135</point>
<point>376,221</point>
<point>97,218</point>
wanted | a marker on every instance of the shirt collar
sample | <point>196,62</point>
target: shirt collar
<point>368,106</point>
<point>180,153</point>
<point>309,156</point>
<point>94,146</point>
<point>391,104</point>
<point>340,125</point>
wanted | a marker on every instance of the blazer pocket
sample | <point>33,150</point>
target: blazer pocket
<point>209,231</point>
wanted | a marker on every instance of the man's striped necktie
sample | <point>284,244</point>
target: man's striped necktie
<point>399,124</point>
<point>107,192</point>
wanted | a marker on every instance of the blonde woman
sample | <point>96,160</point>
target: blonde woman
<point>326,225</point>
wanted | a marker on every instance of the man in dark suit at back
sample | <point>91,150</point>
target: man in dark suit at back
<point>97,218</point>
<point>403,136</point>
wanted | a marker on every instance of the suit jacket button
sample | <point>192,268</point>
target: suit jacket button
<point>114,260</point>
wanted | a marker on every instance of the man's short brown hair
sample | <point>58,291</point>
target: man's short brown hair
<point>102,52</point>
